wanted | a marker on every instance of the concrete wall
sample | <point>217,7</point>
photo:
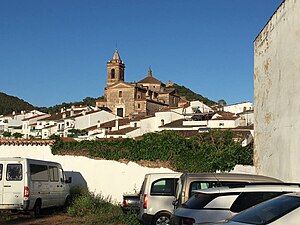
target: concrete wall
<point>277,94</point>
<point>110,178</point>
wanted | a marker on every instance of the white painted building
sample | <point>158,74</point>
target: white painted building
<point>238,108</point>
<point>277,94</point>
<point>13,122</point>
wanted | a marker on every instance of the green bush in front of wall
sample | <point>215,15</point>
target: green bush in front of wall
<point>204,152</point>
<point>96,209</point>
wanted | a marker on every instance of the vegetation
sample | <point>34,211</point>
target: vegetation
<point>205,152</point>
<point>8,104</point>
<point>86,101</point>
<point>95,209</point>
<point>190,95</point>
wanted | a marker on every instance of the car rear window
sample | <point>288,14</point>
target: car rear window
<point>199,200</point>
<point>199,185</point>
<point>248,199</point>
<point>166,186</point>
<point>268,211</point>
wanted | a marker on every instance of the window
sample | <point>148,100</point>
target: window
<point>164,187</point>
<point>198,185</point>
<point>268,211</point>
<point>14,172</point>
<point>139,105</point>
<point>246,200</point>
<point>53,170</point>
<point>1,169</point>
<point>162,122</point>
<point>39,172</point>
<point>200,200</point>
<point>221,124</point>
<point>135,124</point>
<point>112,72</point>
<point>120,94</point>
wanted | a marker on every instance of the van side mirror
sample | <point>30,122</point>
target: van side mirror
<point>69,180</point>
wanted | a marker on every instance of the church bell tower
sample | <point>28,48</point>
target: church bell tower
<point>115,69</point>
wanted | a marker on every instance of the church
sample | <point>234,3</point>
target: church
<point>142,98</point>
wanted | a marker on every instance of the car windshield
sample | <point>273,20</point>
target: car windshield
<point>269,211</point>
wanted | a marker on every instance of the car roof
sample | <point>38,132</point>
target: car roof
<point>232,177</point>
<point>294,187</point>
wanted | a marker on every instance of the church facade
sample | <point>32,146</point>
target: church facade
<point>142,98</point>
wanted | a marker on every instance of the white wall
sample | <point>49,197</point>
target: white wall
<point>110,178</point>
<point>238,108</point>
<point>277,94</point>
<point>91,119</point>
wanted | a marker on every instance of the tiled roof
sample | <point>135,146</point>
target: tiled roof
<point>175,123</point>
<point>150,80</point>
<point>56,116</point>
<point>225,116</point>
<point>47,127</point>
<point>123,131</point>
<point>112,123</point>
<point>25,142</point>
<point>34,117</point>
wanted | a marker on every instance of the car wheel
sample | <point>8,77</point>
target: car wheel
<point>37,208</point>
<point>162,219</point>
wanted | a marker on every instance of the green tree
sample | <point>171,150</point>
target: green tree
<point>6,134</point>
<point>17,135</point>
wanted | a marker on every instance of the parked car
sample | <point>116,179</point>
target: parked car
<point>282,210</point>
<point>131,203</point>
<point>216,204</point>
<point>188,182</point>
<point>157,195</point>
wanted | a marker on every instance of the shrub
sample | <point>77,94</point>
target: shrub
<point>99,210</point>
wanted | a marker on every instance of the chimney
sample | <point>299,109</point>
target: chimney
<point>117,123</point>
<point>64,115</point>
<point>72,112</point>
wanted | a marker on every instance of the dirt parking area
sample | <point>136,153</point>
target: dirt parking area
<point>47,217</point>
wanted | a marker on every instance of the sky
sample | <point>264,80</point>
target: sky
<point>55,51</point>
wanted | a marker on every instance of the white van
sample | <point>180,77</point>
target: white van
<point>29,185</point>
<point>157,195</point>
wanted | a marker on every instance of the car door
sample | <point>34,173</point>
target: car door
<point>13,184</point>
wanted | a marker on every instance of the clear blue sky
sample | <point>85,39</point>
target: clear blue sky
<point>54,51</point>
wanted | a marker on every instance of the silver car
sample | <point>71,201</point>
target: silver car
<point>217,204</point>
<point>283,210</point>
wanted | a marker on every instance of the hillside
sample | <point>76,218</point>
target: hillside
<point>190,95</point>
<point>8,104</point>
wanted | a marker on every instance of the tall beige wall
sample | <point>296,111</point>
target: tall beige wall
<point>277,94</point>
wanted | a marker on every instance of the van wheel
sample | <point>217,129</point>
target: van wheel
<point>37,208</point>
<point>162,219</point>
<point>67,202</point>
